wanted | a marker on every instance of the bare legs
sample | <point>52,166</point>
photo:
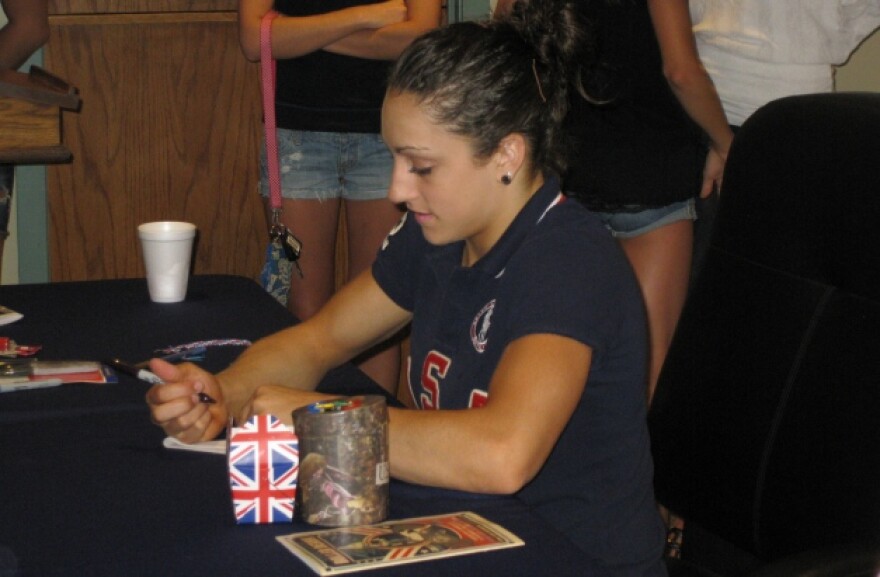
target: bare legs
<point>315,223</point>
<point>368,223</point>
<point>662,261</point>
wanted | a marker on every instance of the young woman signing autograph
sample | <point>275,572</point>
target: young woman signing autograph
<point>519,386</point>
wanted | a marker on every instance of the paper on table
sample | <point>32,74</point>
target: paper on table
<point>8,315</point>
<point>63,371</point>
<point>8,385</point>
<point>63,367</point>
<point>356,548</point>
<point>217,447</point>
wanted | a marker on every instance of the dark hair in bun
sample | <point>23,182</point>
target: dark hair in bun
<point>486,80</point>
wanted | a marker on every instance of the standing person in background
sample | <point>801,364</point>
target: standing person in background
<point>333,58</point>
<point>757,51</point>
<point>639,157</point>
<point>26,30</point>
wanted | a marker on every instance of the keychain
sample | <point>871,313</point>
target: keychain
<point>291,245</point>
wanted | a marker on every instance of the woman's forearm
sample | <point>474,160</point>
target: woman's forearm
<point>684,71</point>
<point>294,36</point>
<point>388,42</point>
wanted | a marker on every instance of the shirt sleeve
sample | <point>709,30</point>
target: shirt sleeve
<point>858,19</point>
<point>804,32</point>
<point>396,266</point>
<point>580,286</point>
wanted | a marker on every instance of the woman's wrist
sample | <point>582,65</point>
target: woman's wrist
<point>719,150</point>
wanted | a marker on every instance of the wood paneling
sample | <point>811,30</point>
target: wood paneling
<point>30,116</point>
<point>135,6</point>
<point>28,124</point>
<point>169,129</point>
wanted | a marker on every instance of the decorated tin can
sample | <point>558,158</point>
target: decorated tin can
<point>343,470</point>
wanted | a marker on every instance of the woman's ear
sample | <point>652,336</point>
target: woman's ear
<point>510,156</point>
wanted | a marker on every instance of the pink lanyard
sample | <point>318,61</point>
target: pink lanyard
<point>267,72</point>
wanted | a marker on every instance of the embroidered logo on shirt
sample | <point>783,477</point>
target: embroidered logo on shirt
<point>480,326</point>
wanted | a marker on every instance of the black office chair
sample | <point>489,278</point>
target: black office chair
<point>766,420</point>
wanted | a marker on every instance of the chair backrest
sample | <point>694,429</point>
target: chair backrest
<point>766,420</point>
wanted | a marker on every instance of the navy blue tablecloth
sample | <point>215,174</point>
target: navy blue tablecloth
<point>87,489</point>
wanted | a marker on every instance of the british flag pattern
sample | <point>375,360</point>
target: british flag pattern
<point>263,462</point>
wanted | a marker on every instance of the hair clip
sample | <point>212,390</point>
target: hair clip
<point>538,81</point>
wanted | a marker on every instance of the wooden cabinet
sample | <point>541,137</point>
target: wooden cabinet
<point>169,129</point>
<point>30,116</point>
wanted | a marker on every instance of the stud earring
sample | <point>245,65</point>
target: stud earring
<point>506,178</point>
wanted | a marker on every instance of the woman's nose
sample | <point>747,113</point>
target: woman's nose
<point>401,188</point>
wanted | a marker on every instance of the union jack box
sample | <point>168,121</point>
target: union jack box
<point>263,460</point>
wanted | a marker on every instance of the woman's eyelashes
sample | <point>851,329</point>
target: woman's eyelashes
<point>421,170</point>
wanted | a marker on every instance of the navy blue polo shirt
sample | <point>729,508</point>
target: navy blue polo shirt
<point>555,270</point>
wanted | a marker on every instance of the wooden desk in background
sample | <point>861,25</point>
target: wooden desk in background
<point>169,129</point>
<point>30,116</point>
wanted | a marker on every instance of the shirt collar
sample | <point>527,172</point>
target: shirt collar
<point>532,214</point>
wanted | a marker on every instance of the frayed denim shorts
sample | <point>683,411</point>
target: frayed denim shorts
<point>625,224</point>
<point>325,165</point>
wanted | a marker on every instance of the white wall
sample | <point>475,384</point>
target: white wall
<point>862,70</point>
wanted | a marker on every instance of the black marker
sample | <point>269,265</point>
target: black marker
<point>148,377</point>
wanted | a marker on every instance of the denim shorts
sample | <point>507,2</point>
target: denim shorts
<point>627,224</point>
<point>325,165</point>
